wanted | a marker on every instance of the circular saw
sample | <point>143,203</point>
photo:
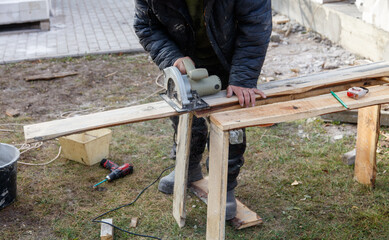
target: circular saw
<point>184,92</point>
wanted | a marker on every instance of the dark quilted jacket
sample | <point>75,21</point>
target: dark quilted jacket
<point>239,32</point>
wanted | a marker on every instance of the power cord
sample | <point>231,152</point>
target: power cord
<point>128,204</point>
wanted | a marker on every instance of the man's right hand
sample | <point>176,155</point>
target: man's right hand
<point>179,63</point>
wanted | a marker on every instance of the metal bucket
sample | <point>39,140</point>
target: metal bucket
<point>8,160</point>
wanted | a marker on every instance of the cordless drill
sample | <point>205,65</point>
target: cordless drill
<point>116,171</point>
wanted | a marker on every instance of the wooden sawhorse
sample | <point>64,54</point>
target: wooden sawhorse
<point>221,123</point>
<point>281,107</point>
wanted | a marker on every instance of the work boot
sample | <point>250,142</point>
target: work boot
<point>166,184</point>
<point>230,205</point>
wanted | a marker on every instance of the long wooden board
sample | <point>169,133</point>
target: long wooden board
<point>57,128</point>
<point>316,81</point>
<point>297,109</point>
<point>277,91</point>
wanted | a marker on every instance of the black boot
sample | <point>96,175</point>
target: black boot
<point>197,146</point>
<point>235,162</point>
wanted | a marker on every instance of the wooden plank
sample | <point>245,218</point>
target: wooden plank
<point>106,232</point>
<point>57,128</point>
<point>244,218</point>
<point>314,81</point>
<point>50,76</point>
<point>367,138</point>
<point>275,97</point>
<point>296,109</point>
<point>284,90</point>
<point>218,168</point>
<point>184,136</point>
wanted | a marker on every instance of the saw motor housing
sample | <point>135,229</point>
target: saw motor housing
<point>183,92</point>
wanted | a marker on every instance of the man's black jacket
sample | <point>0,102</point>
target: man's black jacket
<point>239,32</point>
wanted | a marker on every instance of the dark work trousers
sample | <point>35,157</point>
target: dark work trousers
<point>200,138</point>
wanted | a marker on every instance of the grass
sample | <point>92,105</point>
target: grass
<point>327,204</point>
<point>56,201</point>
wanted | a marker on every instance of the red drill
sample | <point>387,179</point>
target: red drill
<point>116,171</point>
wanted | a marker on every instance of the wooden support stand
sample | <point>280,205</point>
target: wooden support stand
<point>218,169</point>
<point>367,138</point>
<point>184,135</point>
<point>226,114</point>
<point>221,123</point>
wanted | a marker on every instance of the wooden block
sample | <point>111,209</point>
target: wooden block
<point>184,135</point>
<point>245,217</point>
<point>134,222</point>
<point>367,138</point>
<point>106,232</point>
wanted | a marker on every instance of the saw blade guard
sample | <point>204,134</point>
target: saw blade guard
<point>177,86</point>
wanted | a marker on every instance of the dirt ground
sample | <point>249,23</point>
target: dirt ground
<point>113,81</point>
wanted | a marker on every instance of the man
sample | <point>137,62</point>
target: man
<point>227,37</point>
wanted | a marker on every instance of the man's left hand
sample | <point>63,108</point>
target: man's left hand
<point>246,96</point>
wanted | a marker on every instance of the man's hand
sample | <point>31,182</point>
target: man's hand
<point>180,64</point>
<point>246,96</point>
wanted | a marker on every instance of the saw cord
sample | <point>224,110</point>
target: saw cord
<point>25,147</point>
<point>128,204</point>
<point>41,164</point>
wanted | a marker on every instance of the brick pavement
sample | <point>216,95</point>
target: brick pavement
<point>78,27</point>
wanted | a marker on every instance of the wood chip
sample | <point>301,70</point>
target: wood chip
<point>134,222</point>
<point>279,19</point>
<point>12,112</point>
<point>50,76</point>
<point>111,74</point>
<point>295,183</point>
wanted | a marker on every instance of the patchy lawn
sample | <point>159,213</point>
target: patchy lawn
<point>56,201</point>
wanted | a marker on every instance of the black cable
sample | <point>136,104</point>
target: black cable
<point>128,204</point>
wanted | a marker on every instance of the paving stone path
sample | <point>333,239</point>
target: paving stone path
<point>78,27</point>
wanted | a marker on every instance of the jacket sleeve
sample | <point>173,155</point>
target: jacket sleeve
<point>153,36</point>
<point>254,22</point>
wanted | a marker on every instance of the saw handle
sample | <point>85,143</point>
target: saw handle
<point>193,73</point>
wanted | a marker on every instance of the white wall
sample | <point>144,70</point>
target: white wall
<point>375,12</point>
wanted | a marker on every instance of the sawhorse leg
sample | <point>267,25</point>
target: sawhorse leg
<point>217,184</point>
<point>184,135</point>
<point>367,138</point>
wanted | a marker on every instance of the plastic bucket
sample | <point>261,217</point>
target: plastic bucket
<point>8,168</point>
